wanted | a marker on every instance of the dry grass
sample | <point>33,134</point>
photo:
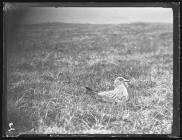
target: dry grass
<point>48,69</point>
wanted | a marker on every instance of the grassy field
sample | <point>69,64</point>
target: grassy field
<point>50,64</point>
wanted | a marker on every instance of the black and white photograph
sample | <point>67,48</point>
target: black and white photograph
<point>89,70</point>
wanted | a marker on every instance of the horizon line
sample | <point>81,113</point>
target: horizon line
<point>59,22</point>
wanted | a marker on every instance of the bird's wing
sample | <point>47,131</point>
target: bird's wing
<point>115,95</point>
<point>105,96</point>
<point>110,93</point>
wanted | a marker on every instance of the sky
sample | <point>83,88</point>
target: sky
<point>98,15</point>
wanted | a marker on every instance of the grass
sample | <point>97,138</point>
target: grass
<point>49,65</point>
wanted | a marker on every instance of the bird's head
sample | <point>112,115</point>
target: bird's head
<point>120,80</point>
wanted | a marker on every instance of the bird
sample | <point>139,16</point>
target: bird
<point>118,95</point>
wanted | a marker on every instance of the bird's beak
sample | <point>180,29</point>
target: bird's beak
<point>126,80</point>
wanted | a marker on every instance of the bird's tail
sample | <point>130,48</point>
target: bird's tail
<point>90,91</point>
<point>94,94</point>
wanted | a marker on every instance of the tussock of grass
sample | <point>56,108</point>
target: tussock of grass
<point>46,79</point>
